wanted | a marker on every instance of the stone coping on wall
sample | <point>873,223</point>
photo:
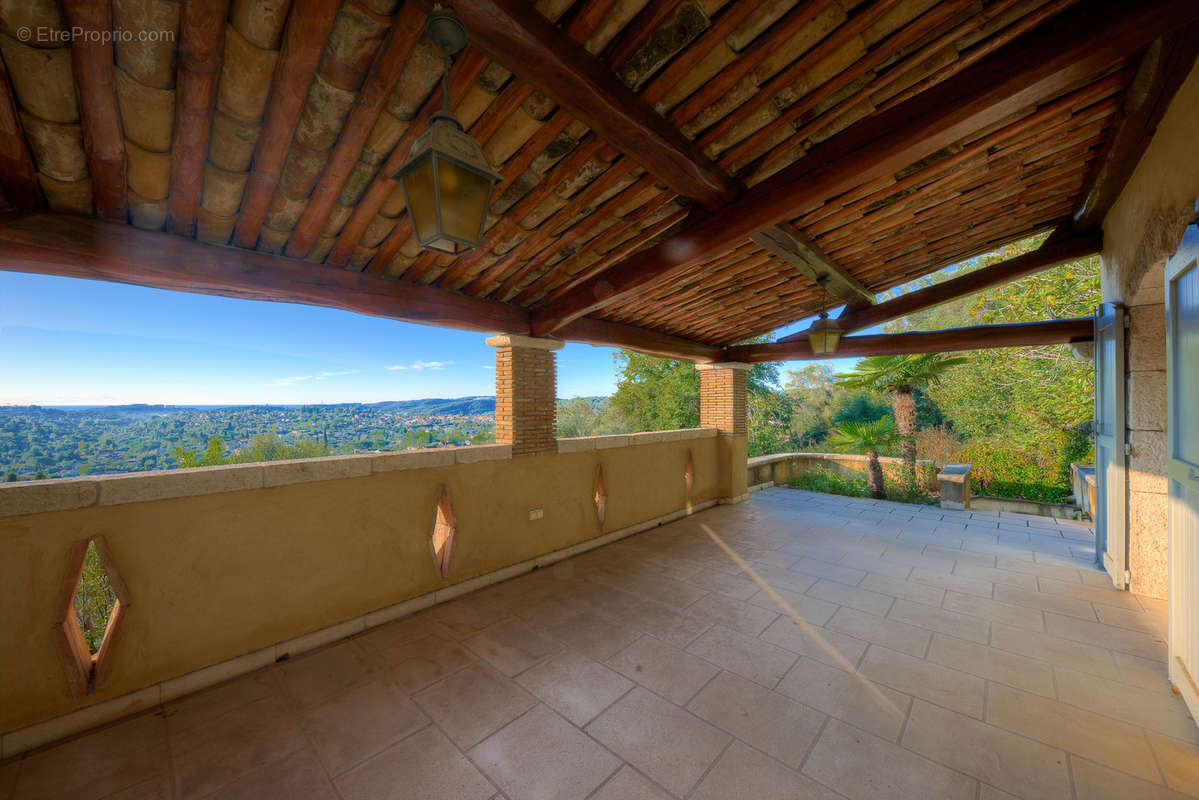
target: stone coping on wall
<point>21,740</point>
<point>582,443</point>
<point>65,494</point>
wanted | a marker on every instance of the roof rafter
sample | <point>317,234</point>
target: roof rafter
<point>1035,68</point>
<point>978,337</point>
<point>308,25</point>
<point>18,176</point>
<point>1056,250</point>
<point>95,80</point>
<point>796,249</point>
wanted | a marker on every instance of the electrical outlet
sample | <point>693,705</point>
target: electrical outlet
<point>536,513</point>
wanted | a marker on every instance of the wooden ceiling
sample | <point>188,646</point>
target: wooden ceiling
<point>620,128</point>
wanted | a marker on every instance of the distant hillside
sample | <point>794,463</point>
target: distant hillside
<point>436,405</point>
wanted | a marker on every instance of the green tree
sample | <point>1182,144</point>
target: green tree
<point>868,438</point>
<point>11,476</point>
<point>900,376</point>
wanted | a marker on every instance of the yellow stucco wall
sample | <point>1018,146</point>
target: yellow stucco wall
<point>215,576</point>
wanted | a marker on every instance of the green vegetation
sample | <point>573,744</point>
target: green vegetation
<point>868,438</point>
<point>94,599</point>
<point>822,479</point>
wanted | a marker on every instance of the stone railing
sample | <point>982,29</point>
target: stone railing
<point>225,569</point>
<point>781,468</point>
<point>954,482</point>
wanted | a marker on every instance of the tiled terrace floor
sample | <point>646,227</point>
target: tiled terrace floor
<point>940,655</point>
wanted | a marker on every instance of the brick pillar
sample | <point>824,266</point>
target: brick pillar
<point>722,406</point>
<point>526,393</point>
<point>722,397</point>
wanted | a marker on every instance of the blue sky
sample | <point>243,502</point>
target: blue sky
<point>75,342</point>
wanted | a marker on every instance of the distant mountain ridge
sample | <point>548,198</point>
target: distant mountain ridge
<point>473,405</point>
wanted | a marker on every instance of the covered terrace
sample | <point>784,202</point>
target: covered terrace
<point>676,178</point>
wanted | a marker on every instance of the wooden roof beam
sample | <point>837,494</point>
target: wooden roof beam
<point>515,34</point>
<point>1052,59</point>
<point>18,175</point>
<point>308,25</point>
<point>95,85</point>
<point>1056,250</point>
<point>797,250</point>
<point>77,247</point>
<point>978,337</point>
<point>1150,87</point>
<point>201,42</point>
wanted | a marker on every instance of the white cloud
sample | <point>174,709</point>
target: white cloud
<point>320,376</point>
<point>490,367</point>
<point>420,365</point>
<point>334,374</point>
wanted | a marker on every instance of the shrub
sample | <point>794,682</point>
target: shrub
<point>937,443</point>
<point>825,480</point>
<point>1003,470</point>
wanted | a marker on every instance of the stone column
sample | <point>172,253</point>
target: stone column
<point>722,390</point>
<point>526,393</point>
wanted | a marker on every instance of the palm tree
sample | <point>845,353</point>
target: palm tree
<point>868,438</point>
<point>900,376</point>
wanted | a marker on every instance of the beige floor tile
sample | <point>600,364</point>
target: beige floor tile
<point>735,614</point>
<point>1097,782</point>
<point>876,565</point>
<point>851,597</point>
<point>416,664</point>
<point>300,776</point>
<point>312,678</point>
<point>848,696</point>
<point>817,642</point>
<point>542,755</point>
<point>860,765</point>
<point>466,615</point>
<point>877,630</point>
<point>205,706</point>
<point>629,784</point>
<point>574,685</point>
<point>1106,636</point>
<point>607,599</point>
<point>1133,619</point>
<point>671,746</point>
<point>744,772</point>
<point>1108,595</point>
<point>1002,577</point>
<point>1019,616</point>
<point>1046,602</point>
<point>933,682</point>
<point>986,792</point>
<point>670,672</point>
<point>946,580</point>
<point>1022,672</point>
<point>1159,711</point>
<point>672,627</point>
<point>1092,736</point>
<point>359,723</point>
<point>425,764</point>
<point>511,646</point>
<point>997,757</point>
<point>780,578</point>
<point>382,638</point>
<point>738,586</point>
<point>1144,672</point>
<point>96,764</point>
<point>594,635</point>
<point>815,611</point>
<point>676,594</point>
<point>902,588</point>
<point>950,623</point>
<point>824,569</point>
<point>472,704</point>
<point>776,725</point>
<point>748,656</point>
<point>209,756</point>
<point>1179,761</point>
<point>1060,652</point>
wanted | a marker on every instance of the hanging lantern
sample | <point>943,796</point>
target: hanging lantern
<point>446,178</point>
<point>825,334</point>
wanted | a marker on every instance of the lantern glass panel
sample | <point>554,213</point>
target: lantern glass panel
<point>464,194</point>
<point>421,195</point>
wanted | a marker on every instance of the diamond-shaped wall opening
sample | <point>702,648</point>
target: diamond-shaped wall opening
<point>601,495</point>
<point>91,606</point>
<point>443,533</point>
<point>689,476</point>
<point>94,600</point>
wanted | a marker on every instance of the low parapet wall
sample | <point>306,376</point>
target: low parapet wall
<point>781,468</point>
<point>228,568</point>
